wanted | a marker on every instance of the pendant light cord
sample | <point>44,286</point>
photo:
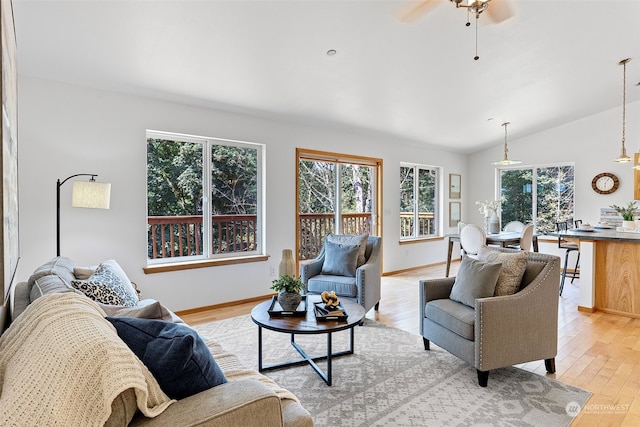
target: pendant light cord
<point>506,150</point>
<point>624,100</point>
<point>477,57</point>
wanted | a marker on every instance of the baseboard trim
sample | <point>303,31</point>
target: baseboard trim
<point>405,270</point>
<point>223,305</point>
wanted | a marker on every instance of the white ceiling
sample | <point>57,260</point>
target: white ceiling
<point>553,62</point>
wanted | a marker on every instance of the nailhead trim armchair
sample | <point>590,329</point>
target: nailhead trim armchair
<point>500,331</point>
<point>364,288</point>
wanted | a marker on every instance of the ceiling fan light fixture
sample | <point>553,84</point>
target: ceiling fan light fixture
<point>505,160</point>
<point>623,157</point>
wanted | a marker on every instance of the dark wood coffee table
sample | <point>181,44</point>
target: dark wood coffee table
<point>307,325</point>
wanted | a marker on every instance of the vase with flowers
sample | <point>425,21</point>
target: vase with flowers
<point>489,208</point>
<point>627,214</point>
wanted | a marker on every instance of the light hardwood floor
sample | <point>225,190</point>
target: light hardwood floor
<point>598,352</point>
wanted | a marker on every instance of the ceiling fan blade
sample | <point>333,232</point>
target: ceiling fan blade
<point>415,9</point>
<point>500,10</point>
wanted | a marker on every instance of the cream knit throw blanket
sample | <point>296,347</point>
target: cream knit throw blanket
<point>62,363</point>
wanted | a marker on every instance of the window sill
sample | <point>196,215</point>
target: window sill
<point>421,240</point>
<point>190,265</point>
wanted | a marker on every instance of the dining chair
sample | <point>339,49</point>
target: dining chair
<point>472,238</point>
<point>514,226</point>
<point>568,247</point>
<point>526,239</point>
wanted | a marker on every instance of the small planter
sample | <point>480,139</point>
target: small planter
<point>629,225</point>
<point>289,301</point>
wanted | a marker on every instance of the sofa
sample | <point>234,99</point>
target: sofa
<point>46,306</point>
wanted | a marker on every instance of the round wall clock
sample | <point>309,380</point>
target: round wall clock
<point>605,183</point>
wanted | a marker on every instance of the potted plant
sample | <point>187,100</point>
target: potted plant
<point>288,288</point>
<point>627,214</point>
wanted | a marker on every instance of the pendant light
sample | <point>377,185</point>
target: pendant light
<point>623,158</point>
<point>505,161</point>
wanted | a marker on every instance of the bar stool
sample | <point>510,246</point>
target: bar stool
<point>568,247</point>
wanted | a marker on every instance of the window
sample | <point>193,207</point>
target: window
<point>419,210</point>
<point>336,193</point>
<point>542,195</point>
<point>204,198</point>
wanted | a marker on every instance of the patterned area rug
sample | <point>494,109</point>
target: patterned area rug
<point>392,381</point>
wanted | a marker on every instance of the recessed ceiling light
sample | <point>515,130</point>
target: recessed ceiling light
<point>332,52</point>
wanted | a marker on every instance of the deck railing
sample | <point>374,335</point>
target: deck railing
<point>314,228</point>
<point>426,225</point>
<point>177,236</point>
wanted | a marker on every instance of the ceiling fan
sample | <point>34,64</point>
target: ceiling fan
<point>498,10</point>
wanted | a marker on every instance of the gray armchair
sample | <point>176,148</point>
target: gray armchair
<point>364,288</point>
<point>501,330</point>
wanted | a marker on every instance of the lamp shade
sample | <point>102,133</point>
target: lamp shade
<point>91,194</point>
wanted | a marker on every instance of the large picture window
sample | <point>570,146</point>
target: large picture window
<point>419,210</point>
<point>204,197</point>
<point>541,195</point>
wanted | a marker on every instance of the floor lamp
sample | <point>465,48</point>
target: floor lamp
<point>86,194</point>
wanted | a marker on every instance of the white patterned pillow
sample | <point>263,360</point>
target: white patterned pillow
<point>107,287</point>
<point>513,267</point>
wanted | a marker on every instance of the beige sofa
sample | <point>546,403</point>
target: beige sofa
<point>247,399</point>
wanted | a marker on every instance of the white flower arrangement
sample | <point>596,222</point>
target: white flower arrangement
<point>489,207</point>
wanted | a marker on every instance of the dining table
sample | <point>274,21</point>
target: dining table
<point>502,239</point>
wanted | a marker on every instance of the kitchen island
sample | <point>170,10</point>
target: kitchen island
<point>609,270</point>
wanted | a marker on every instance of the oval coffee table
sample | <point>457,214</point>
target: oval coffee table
<point>307,325</point>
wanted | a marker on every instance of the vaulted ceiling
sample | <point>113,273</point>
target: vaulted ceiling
<point>553,62</point>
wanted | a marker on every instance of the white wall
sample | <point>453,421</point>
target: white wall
<point>590,143</point>
<point>64,130</point>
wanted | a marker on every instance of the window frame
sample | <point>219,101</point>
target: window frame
<point>437,200</point>
<point>534,185</point>
<point>208,258</point>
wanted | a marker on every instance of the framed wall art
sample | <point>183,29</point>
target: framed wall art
<point>9,153</point>
<point>454,214</point>
<point>455,183</point>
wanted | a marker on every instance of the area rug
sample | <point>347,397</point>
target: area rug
<point>392,381</point>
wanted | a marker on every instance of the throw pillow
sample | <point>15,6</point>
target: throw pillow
<point>122,275</point>
<point>106,286</point>
<point>175,354</point>
<point>350,239</point>
<point>83,273</point>
<point>340,259</point>
<point>148,309</point>
<point>513,267</point>
<point>475,279</point>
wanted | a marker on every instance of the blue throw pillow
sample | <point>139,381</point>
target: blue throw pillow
<point>175,354</point>
<point>340,259</point>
